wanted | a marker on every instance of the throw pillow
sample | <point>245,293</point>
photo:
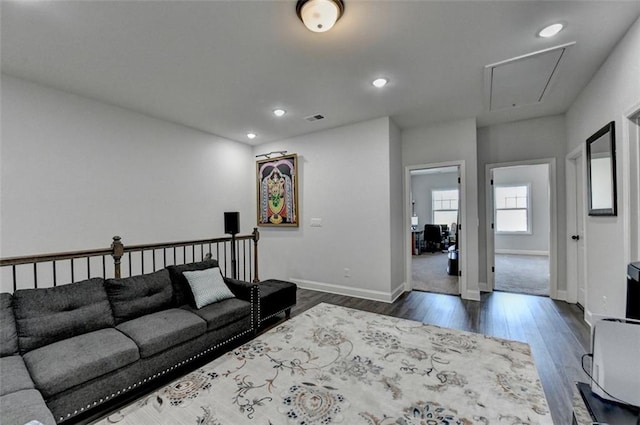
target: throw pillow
<point>207,286</point>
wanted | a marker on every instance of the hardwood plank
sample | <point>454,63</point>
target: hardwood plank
<point>555,330</point>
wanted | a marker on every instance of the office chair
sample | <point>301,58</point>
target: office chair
<point>432,237</point>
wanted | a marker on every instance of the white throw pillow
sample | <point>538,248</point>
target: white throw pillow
<point>208,286</point>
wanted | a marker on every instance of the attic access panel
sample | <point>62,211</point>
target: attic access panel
<point>523,80</point>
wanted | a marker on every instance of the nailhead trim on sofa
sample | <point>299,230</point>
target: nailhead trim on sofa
<point>156,375</point>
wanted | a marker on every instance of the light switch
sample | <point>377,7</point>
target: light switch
<point>316,222</point>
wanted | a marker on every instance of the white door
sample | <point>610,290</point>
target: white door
<point>576,246</point>
<point>579,235</point>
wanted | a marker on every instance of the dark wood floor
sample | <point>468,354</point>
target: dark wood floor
<point>555,330</point>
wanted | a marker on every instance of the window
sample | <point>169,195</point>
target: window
<point>445,206</point>
<point>512,209</point>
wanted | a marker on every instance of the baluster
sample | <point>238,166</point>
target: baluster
<point>256,238</point>
<point>117,251</point>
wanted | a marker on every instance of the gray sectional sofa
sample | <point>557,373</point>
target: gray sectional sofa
<point>69,349</point>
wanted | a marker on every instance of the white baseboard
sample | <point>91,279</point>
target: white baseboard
<point>589,317</point>
<point>483,287</point>
<point>471,294</point>
<point>366,294</point>
<point>561,295</point>
<point>396,293</point>
<point>521,252</point>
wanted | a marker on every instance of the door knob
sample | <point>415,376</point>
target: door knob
<point>575,237</point>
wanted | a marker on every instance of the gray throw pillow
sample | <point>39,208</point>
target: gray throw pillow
<point>208,286</point>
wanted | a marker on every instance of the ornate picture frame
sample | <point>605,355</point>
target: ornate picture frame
<point>277,188</point>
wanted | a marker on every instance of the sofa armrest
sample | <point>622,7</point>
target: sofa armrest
<point>248,292</point>
<point>241,289</point>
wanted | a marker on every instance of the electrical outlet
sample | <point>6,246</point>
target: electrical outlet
<point>347,272</point>
<point>604,304</point>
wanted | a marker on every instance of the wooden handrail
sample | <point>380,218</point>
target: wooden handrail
<point>57,256</point>
<point>117,250</point>
<point>161,245</point>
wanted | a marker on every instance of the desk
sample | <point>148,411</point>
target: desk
<point>588,409</point>
<point>416,239</point>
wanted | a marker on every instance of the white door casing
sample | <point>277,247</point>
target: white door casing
<point>462,225</point>
<point>576,212</point>
<point>553,222</point>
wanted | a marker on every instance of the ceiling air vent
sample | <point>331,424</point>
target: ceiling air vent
<point>523,80</point>
<point>316,117</point>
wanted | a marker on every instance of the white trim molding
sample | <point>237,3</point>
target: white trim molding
<point>631,182</point>
<point>520,252</point>
<point>366,294</point>
<point>553,224</point>
<point>561,295</point>
<point>462,243</point>
<point>572,225</point>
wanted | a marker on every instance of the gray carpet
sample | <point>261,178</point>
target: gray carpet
<point>527,274</point>
<point>429,271</point>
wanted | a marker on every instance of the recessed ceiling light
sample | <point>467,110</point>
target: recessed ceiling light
<point>380,82</point>
<point>551,30</point>
<point>279,112</point>
<point>252,135</point>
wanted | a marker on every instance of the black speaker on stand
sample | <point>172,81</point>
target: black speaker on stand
<point>232,227</point>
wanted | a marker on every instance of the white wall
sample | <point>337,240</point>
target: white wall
<point>76,172</point>
<point>445,142</point>
<point>421,187</point>
<point>345,180</point>
<point>398,253</point>
<point>537,138</point>
<point>614,89</point>
<point>537,177</point>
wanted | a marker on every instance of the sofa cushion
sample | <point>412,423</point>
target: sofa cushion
<point>47,315</point>
<point>67,363</point>
<point>181,291</point>
<point>8,333</point>
<point>156,332</point>
<point>14,375</point>
<point>24,406</point>
<point>207,286</point>
<point>136,296</point>
<point>222,313</point>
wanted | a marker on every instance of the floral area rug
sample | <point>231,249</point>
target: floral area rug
<point>334,365</point>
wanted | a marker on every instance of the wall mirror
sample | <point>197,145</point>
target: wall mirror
<point>601,171</point>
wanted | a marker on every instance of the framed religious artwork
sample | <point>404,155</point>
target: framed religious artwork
<point>278,191</point>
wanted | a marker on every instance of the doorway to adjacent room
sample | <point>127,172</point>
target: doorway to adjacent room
<point>521,222</point>
<point>435,215</point>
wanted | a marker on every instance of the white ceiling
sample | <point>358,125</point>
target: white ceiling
<point>222,66</point>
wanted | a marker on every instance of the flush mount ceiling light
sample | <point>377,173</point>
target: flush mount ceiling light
<point>319,15</point>
<point>380,82</point>
<point>279,112</point>
<point>252,135</point>
<point>551,30</point>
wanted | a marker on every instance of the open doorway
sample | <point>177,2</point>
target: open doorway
<point>521,223</point>
<point>435,214</point>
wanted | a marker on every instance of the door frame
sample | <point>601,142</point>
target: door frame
<point>462,225</point>
<point>553,222</point>
<point>578,154</point>
<point>631,182</point>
